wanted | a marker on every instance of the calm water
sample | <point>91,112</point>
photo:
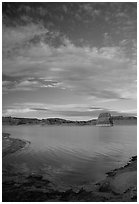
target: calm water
<point>72,156</point>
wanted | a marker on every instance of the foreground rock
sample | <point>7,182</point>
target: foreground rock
<point>121,182</point>
<point>119,186</point>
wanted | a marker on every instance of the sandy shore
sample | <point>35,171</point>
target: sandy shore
<point>119,185</point>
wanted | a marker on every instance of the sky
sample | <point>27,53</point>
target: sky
<point>69,60</point>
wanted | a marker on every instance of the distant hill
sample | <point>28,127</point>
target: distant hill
<point>19,121</point>
<point>124,120</point>
<point>117,120</point>
<point>48,121</point>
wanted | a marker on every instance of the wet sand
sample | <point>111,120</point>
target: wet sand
<point>119,184</point>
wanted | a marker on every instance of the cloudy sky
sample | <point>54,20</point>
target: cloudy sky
<point>69,60</point>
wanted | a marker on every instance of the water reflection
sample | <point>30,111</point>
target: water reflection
<point>72,155</point>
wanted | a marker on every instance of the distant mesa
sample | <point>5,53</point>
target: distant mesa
<point>104,119</point>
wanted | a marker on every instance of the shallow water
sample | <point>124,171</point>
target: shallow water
<point>72,155</point>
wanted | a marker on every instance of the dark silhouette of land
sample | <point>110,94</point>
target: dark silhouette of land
<point>115,120</point>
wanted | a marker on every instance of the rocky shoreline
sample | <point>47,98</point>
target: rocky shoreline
<point>119,184</point>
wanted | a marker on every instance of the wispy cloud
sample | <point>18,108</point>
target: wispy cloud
<point>29,84</point>
<point>74,111</point>
<point>92,57</point>
<point>104,72</point>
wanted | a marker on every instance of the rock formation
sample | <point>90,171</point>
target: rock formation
<point>104,119</point>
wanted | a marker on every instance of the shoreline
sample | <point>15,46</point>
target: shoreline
<point>11,145</point>
<point>119,184</point>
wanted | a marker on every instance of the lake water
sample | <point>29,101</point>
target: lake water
<point>71,156</point>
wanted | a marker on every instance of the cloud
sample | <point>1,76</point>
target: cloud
<point>52,110</point>
<point>39,109</point>
<point>15,38</point>
<point>14,112</point>
<point>54,107</point>
<point>82,18</point>
<point>41,51</point>
<point>28,84</point>
<point>102,72</point>
<point>67,111</point>
<point>71,111</point>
